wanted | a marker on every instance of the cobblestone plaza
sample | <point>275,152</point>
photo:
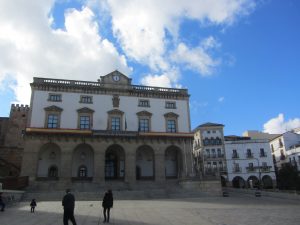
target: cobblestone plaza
<point>233,210</point>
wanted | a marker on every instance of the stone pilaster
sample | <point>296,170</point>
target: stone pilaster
<point>160,167</point>
<point>30,160</point>
<point>130,176</point>
<point>66,165</point>
<point>99,167</point>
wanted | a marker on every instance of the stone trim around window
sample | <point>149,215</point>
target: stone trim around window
<point>54,111</point>
<point>87,99</point>
<point>88,113</point>
<point>54,97</point>
<point>144,115</point>
<point>114,113</point>
<point>171,116</point>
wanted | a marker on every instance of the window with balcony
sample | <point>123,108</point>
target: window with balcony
<point>250,167</point>
<point>86,99</point>
<point>206,141</point>
<point>234,154</point>
<point>53,114</point>
<point>219,153</point>
<point>236,167</point>
<point>207,153</point>
<point>144,103</point>
<point>262,153</point>
<point>170,105</point>
<point>221,168</point>
<point>54,97</point>
<point>249,154</point>
<point>213,153</point>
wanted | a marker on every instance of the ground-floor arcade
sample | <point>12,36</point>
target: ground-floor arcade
<point>67,159</point>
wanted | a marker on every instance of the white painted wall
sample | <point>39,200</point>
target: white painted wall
<point>101,105</point>
<point>241,147</point>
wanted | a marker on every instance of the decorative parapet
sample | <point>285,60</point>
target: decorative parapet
<point>49,84</point>
<point>20,108</point>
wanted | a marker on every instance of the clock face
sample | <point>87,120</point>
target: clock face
<point>116,77</point>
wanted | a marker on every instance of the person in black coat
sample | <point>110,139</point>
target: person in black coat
<point>2,204</point>
<point>68,203</point>
<point>33,205</point>
<point>107,203</point>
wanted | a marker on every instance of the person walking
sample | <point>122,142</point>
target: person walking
<point>2,204</point>
<point>68,203</point>
<point>107,203</point>
<point>33,205</point>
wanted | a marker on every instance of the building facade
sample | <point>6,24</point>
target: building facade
<point>286,149</point>
<point>209,151</point>
<point>249,162</point>
<point>105,131</point>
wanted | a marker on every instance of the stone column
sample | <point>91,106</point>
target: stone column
<point>160,175</point>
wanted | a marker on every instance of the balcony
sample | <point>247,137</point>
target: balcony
<point>265,168</point>
<point>235,156</point>
<point>237,170</point>
<point>250,169</point>
<point>249,155</point>
<point>262,154</point>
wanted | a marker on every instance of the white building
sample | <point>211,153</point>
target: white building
<point>96,132</point>
<point>209,151</point>
<point>285,149</point>
<point>248,162</point>
<point>255,134</point>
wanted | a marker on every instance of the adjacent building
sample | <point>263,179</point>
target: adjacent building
<point>94,133</point>
<point>249,162</point>
<point>209,151</point>
<point>286,149</point>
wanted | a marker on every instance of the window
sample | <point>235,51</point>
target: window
<point>86,99</point>
<point>84,122</point>
<point>206,141</point>
<point>220,165</point>
<point>144,103</point>
<point>82,171</point>
<point>144,121</point>
<point>85,118</point>
<point>219,152</point>
<point>52,121</point>
<point>234,154</point>
<point>249,153</point>
<point>144,125</point>
<point>236,167</point>
<point>214,131</point>
<point>208,131</point>
<point>213,152</point>
<point>171,105</point>
<point>52,117</point>
<point>171,122</point>
<point>54,97</point>
<point>218,141</point>
<point>115,120</point>
<point>171,126</point>
<point>115,123</point>
<point>250,167</point>
<point>53,172</point>
<point>207,153</point>
<point>262,153</point>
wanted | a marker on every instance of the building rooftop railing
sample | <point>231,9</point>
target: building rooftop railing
<point>39,80</point>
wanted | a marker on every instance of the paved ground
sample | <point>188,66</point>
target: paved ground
<point>233,210</point>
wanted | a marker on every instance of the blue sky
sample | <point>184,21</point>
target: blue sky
<point>240,59</point>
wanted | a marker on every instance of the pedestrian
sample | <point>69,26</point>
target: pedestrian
<point>107,203</point>
<point>33,205</point>
<point>2,204</point>
<point>68,203</point>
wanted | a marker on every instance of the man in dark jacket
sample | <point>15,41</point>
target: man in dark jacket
<point>107,203</point>
<point>68,203</point>
<point>2,204</point>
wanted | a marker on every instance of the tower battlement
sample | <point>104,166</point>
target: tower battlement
<point>19,108</point>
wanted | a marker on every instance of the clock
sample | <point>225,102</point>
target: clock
<point>116,77</point>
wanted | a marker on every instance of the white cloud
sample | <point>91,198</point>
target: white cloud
<point>141,26</point>
<point>30,47</point>
<point>278,125</point>
<point>196,59</point>
<point>167,79</point>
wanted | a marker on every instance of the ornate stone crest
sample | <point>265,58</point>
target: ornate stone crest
<point>116,101</point>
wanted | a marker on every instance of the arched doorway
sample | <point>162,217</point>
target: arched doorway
<point>254,180</point>
<point>267,182</point>
<point>114,163</point>
<point>83,162</point>
<point>49,161</point>
<point>238,182</point>
<point>173,165</point>
<point>145,163</point>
